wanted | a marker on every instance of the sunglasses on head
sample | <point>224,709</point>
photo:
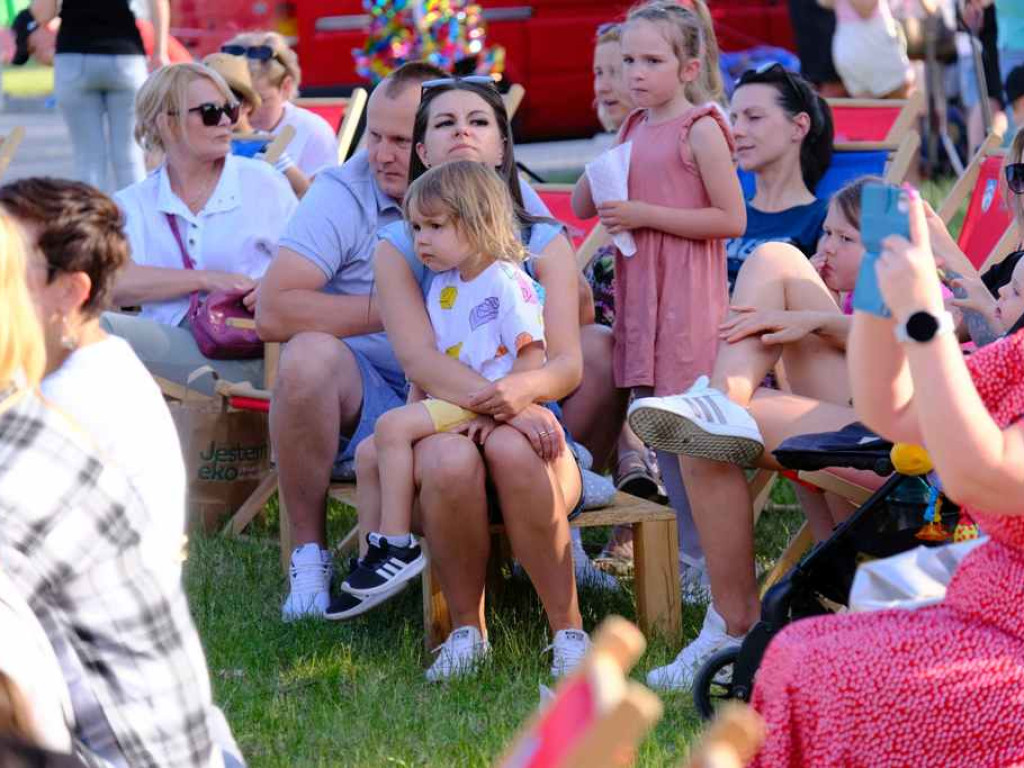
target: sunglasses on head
<point>1015,178</point>
<point>771,67</point>
<point>481,80</point>
<point>608,26</point>
<point>211,113</point>
<point>257,52</point>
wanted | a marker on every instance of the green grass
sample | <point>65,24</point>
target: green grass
<point>353,693</point>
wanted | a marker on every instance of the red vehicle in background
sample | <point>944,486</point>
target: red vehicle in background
<point>548,44</point>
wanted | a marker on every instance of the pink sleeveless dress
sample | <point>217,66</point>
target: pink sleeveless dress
<point>939,686</point>
<point>672,294</point>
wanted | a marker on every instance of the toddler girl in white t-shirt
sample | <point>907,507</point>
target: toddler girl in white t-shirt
<point>486,312</point>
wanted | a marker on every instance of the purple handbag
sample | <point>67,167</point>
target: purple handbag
<point>210,318</point>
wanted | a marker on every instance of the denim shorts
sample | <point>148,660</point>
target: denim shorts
<point>379,396</point>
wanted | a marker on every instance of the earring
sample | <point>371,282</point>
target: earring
<point>68,338</point>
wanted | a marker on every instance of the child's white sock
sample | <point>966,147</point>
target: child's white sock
<point>400,540</point>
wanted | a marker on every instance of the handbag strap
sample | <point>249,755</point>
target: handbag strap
<point>186,260</point>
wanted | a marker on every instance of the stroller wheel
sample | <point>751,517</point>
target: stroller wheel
<point>714,683</point>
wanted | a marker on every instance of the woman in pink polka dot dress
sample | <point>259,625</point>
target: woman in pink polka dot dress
<point>939,686</point>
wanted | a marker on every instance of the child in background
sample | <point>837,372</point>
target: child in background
<point>868,50</point>
<point>684,199</point>
<point>486,312</point>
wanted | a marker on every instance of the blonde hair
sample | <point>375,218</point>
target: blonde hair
<point>611,34</point>
<point>165,92</point>
<point>1014,201</point>
<point>691,33</point>
<point>22,352</point>
<point>284,63</point>
<point>477,201</point>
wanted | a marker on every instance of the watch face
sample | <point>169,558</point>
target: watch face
<point>921,326</point>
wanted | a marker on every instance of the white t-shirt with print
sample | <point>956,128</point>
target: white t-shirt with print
<point>484,322</point>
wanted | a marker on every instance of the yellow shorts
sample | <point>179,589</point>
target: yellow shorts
<point>447,416</point>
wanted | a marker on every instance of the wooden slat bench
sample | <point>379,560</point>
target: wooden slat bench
<point>655,552</point>
<point>656,558</point>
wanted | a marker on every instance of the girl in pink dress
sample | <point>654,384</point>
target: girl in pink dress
<point>684,200</point>
<point>942,685</point>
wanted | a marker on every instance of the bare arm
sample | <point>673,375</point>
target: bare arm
<point>582,199</point>
<point>160,12</point>
<point>880,380</point>
<point>291,301</point>
<point>530,358</point>
<point>725,217</point>
<point>44,10</point>
<point>588,314</point>
<point>138,284</point>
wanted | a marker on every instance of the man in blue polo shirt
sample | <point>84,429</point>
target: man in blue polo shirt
<point>337,372</point>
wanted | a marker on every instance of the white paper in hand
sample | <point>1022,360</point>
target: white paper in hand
<point>609,180</point>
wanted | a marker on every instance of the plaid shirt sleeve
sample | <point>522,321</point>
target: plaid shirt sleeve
<point>69,540</point>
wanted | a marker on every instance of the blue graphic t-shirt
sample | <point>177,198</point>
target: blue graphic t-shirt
<point>799,226</point>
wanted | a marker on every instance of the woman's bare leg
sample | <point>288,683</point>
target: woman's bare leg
<point>535,501</point>
<point>721,506</point>
<point>596,411</point>
<point>452,514</point>
<point>776,277</point>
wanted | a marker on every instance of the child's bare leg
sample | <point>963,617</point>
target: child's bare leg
<point>367,490</point>
<point>394,436</point>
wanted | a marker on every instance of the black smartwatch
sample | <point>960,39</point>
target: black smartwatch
<point>922,327</point>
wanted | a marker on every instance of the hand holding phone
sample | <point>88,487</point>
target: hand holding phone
<point>884,211</point>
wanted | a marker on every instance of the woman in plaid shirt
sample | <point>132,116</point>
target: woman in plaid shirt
<point>70,532</point>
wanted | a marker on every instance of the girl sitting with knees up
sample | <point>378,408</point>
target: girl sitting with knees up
<point>486,312</point>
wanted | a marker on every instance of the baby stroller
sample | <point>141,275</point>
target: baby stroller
<point>885,525</point>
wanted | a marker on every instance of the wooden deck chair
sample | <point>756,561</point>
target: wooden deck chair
<point>8,146</point>
<point>989,232</point>
<point>877,120</point>
<point>343,115</point>
<point>558,199</point>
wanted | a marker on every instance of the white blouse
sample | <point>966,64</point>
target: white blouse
<point>237,230</point>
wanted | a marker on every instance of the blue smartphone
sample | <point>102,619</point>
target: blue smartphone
<point>884,211</point>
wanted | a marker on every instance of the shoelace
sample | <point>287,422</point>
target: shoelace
<point>449,657</point>
<point>567,655</point>
<point>310,577</point>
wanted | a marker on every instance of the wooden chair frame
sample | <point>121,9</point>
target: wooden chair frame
<point>964,188</point>
<point>8,146</point>
<point>911,110</point>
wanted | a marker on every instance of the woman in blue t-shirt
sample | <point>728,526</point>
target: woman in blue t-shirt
<point>784,134</point>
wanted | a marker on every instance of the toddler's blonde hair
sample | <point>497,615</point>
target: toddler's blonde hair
<point>477,201</point>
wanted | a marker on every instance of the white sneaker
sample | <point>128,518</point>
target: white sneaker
<point>459,655</point>
<point>694,584</point>
<point>569,646</point>
<point>588,574</point>
<point>679,675</point>
<point>701,422</point>
<point>310,577</point>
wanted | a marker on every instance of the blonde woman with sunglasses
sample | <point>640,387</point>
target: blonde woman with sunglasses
<point>224,212</point>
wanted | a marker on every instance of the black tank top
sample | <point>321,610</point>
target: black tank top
<point>98,26</point>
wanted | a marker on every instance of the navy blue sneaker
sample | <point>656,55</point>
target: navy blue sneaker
<point>385,569</point>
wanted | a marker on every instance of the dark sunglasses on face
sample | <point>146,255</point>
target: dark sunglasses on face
<point>257,52</point>
<point>482,80</point>
<point>1015,178</point>
<point>210,113</point>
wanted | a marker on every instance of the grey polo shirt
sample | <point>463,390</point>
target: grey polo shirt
<point>335,227</point>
